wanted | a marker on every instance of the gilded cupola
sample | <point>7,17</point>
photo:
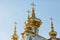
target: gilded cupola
<point>34,21</point>
<point>52,33</point>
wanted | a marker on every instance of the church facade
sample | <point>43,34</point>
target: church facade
<point>31,29</point>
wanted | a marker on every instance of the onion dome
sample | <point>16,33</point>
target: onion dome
<point>52,33</point>
<point>28,28</point>
<point>33,20</point>
<point>27,25</point>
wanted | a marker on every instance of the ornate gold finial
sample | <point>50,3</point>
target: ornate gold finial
<point>15,28</point>
<point>52,25</point>
<point>32,4</point>
<point>28,14</point>
<point>52,33</point>
<point>28,11</point>
<point>33,11</point>
<point>51,18</point>
<point>15,36</point>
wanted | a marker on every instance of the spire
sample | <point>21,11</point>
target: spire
<point>28,14</point>
<point>15,36</point>
<point>52,28</point>
<point>33,11</point>
<point>15,28</point>
<point>52,33</point>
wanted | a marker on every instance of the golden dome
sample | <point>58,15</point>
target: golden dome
<point>53,33</point>
<point>35,22</point>
<point>15,36</point>
<point>28,28</point>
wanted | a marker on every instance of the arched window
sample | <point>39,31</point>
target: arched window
<point>30,38</point>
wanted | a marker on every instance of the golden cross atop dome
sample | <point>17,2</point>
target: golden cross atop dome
<point>28,14</point>
<point>15,23</point>
<point>28,11</point>
<point>51,19</point>
<point>32,4</point>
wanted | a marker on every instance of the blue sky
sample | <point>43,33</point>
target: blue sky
<point>16,10</point>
